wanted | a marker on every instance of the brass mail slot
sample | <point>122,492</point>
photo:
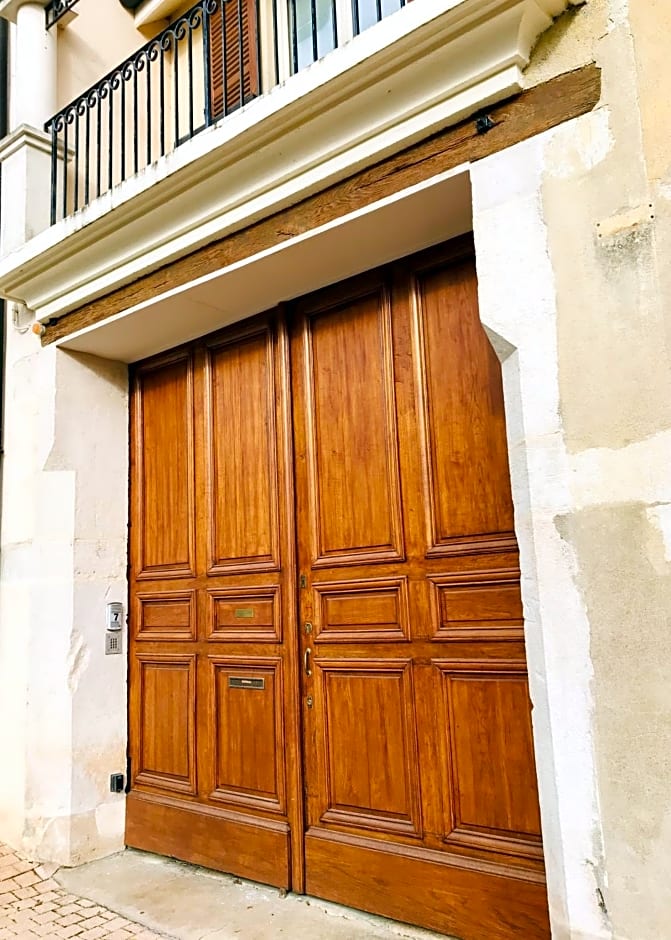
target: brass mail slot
<point>239,682</point>
<point>244,612</point>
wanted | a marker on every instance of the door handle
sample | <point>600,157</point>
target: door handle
<point>306,661</point>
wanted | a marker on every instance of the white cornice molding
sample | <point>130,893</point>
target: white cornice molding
<point>9,8</point>
<point>154,11</point>
<point>427,66</point>
<point>24,136</point>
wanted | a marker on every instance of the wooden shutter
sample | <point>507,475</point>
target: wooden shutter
<point>239,30</point>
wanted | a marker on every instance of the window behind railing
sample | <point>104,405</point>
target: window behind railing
<point>314,30</point>
<point>369,12</point>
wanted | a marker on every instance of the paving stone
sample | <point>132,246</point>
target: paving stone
<point>33,906</point>
<point>117,923</point>
<point>27,878</point>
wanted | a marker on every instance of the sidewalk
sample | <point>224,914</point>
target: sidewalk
<point>34,905</point>
<point>139,896</point>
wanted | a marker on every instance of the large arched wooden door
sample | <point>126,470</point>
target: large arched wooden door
<point>383,661</point>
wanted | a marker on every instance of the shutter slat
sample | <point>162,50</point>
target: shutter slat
<point>250,73</point>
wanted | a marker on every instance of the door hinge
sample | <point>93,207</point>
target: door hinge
<point>127,789</point>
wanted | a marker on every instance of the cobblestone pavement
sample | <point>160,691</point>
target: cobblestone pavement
<point>33,905</point>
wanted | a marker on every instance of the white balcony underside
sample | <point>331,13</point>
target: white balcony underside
<point>427,66</point>
<point>413,219</point>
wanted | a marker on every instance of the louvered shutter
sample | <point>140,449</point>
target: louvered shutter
<point>239,31</point>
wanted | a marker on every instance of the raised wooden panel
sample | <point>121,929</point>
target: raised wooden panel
<point>466,459</point>
<point>165,456</point>
<point>170,616</point>
<point>248,846</point>
<point>484,605</point>
<point>167,690</point>
<point>455,896</point>
<point>362,611</point>
<point>370,748</point>
<point>248,732</point>
<point>352,435</point>
<point>250,615</point>
<point>491,757</point>
<point>243,455</point>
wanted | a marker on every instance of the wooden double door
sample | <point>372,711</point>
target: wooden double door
<point>328,685</point>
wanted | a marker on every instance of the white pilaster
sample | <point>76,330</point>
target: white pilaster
<point>34,93</point>
<point>25,154</point>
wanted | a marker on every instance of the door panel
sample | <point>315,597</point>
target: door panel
<point>349,373</point>
<point>328,686</point>
<point>416,884</point>
<point>243,478</point>
<point>166,732</point>
<point>418,750</point>
<point>213,675</point>
<point>488,757</point>
<point>461,415</point>
<point>370,793</point>
<point>249,732</point>
<point>164,489</point>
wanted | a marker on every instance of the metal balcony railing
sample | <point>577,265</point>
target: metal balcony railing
<point>202,67</point>
<point>198,68</point>
<point>55,10</point>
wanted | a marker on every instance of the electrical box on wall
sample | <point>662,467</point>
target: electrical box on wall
<point>114,615</point>
<point>112,642</point>
<point>113,628</point>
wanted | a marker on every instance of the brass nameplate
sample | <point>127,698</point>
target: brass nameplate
<point>240,682</point>
<point>244,612</point>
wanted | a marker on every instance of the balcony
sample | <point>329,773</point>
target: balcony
<point>216,58</point>
<point>149,180</point>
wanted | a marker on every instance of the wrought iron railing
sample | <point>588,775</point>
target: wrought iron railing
<point>201,67</point>
<point>56,10</point>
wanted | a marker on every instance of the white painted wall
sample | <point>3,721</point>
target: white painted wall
<point>63,556</point>
<point>518,309</point>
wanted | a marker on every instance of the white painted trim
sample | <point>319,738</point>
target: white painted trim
<point>417,71</point>
<point>153,11</point>
<point>425,214</point>
<point>9,8</point>
<point>24,136</point>
<point>518,308</point>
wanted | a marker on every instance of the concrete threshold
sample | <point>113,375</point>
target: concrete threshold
<point>185,902</point>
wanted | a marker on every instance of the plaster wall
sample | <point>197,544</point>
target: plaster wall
<point>577,299</point>
<point>82,58</point>
<point>63,556</point>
